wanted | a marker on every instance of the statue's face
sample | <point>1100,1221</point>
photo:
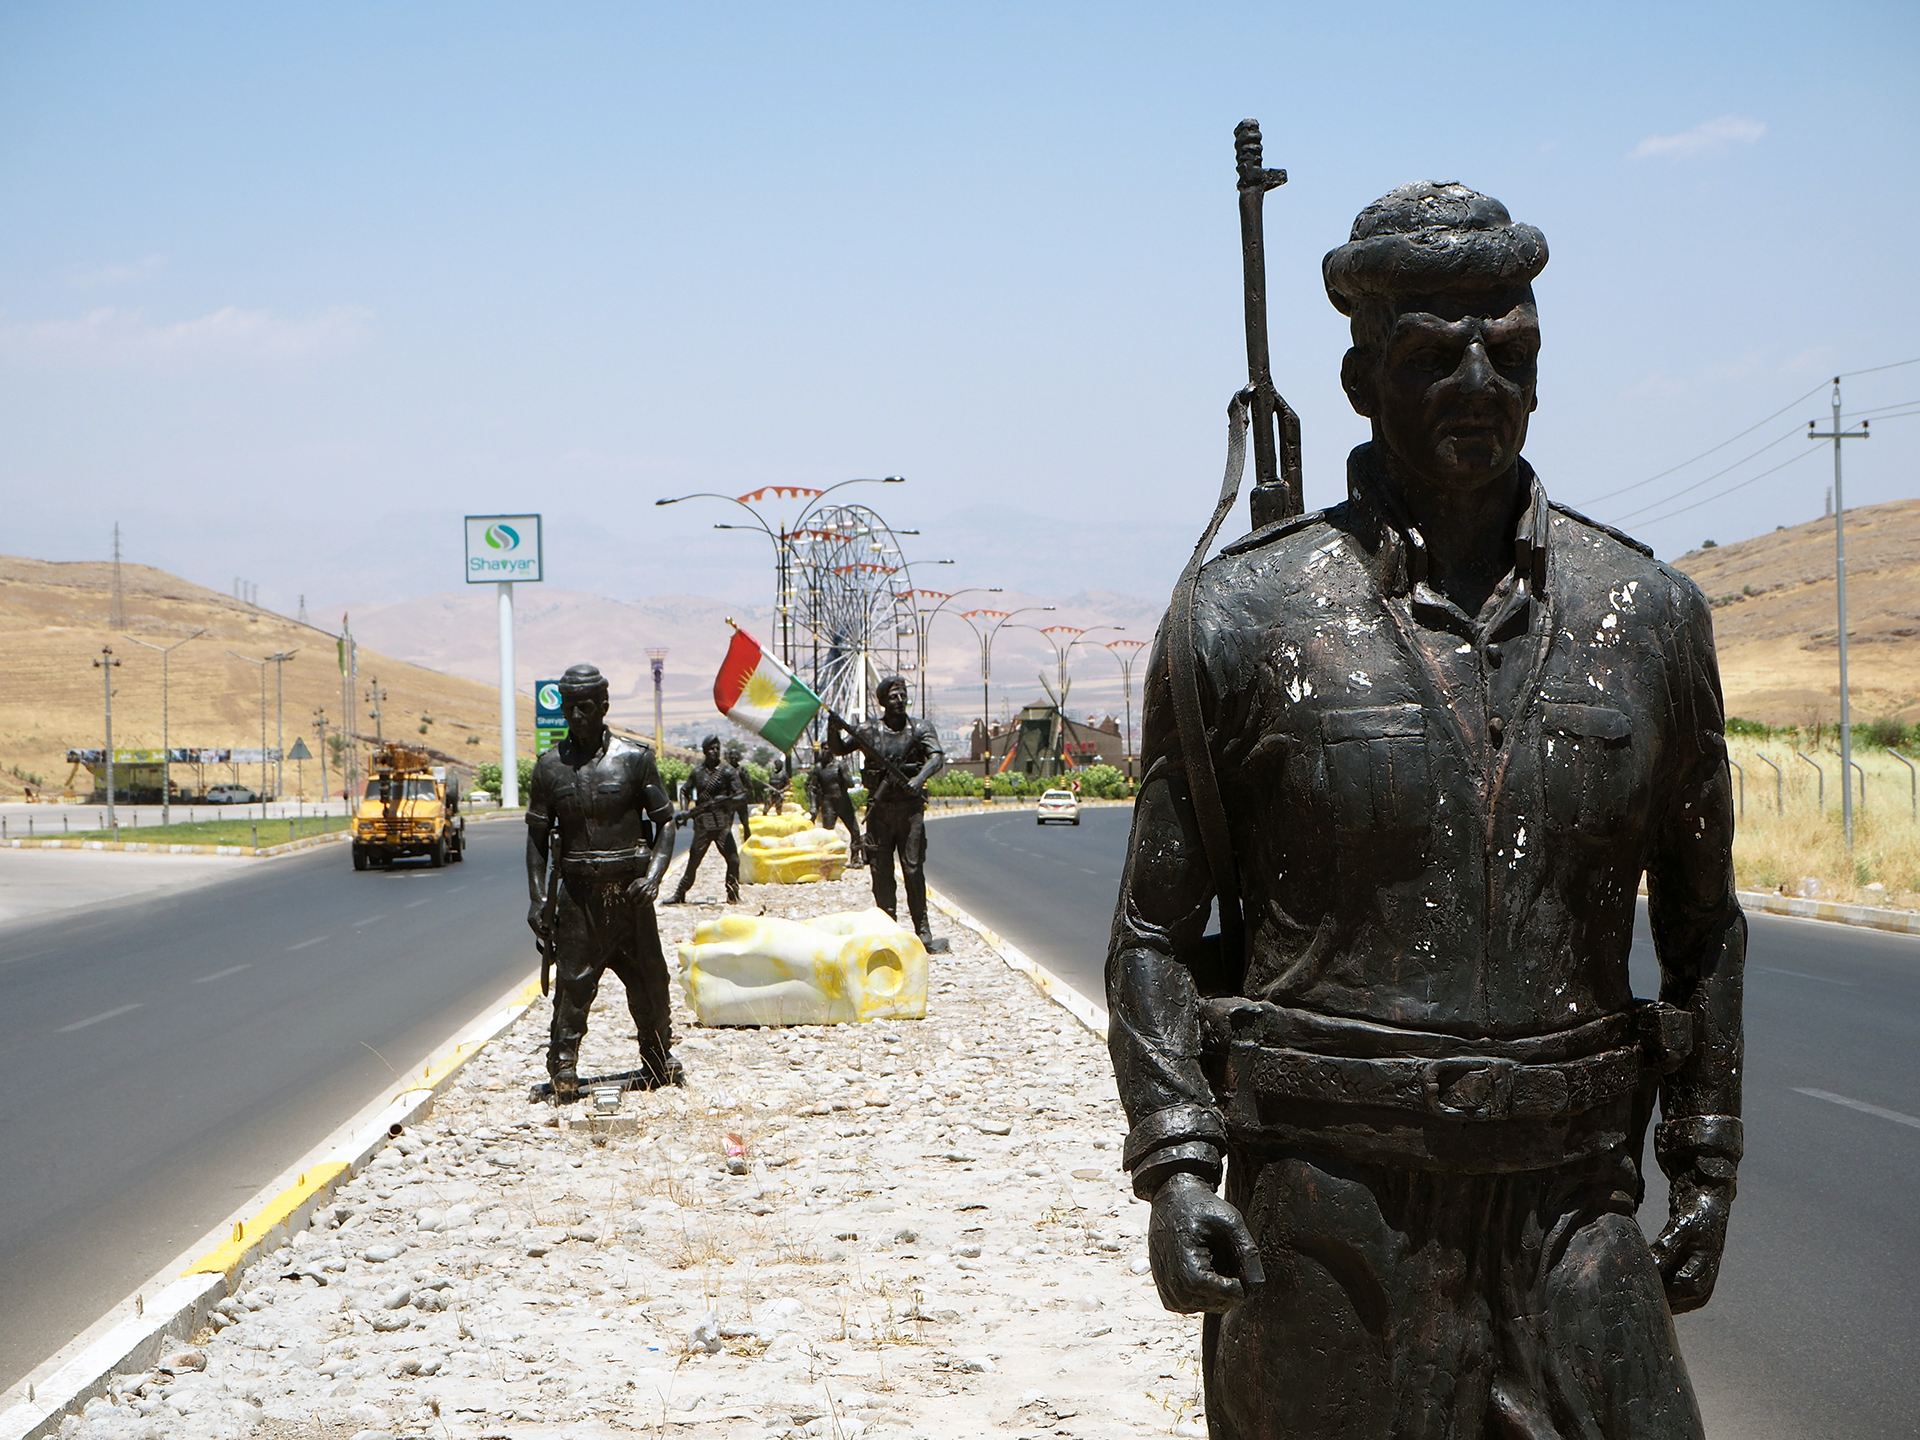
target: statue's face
<point>1451,388</point>
<point>584,712</point>
<point>712,751</point>
<point>893,702</point>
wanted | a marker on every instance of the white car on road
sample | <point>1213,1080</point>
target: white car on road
<point>230,795</point>
<point>1058,805</point>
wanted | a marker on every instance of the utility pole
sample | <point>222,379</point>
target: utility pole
<point>166,734</point>
<point>657,657</point>
<point>1840,590</point>
<point>320,728</point>
<point>105,665</point>
<point>279,721</point>
<point>374,697</point>
<point>117,610</point>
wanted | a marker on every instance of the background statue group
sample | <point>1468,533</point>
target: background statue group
<point>1419,748</point>
<point>600,838</point>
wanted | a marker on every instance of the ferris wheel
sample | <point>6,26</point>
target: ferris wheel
<point>852,599</point>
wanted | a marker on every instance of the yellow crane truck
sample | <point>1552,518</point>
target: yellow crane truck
<point>411,807</point>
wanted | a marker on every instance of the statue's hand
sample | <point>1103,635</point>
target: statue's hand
<point>1202,1256</point>
<point>645,888</point>
<point>1688,1250</point>
<point>537,918</point>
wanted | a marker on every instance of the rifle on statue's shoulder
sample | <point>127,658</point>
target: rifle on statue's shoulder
<point>545,940</point>
<point>835,724</point>
<point>1276,496</point>
<point>1276,466</point>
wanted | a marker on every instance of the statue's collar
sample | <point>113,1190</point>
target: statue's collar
<point>1400,551</point>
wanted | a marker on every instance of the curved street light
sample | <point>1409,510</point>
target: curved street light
<point>945,597</point>
<point>1062,648</point>
<point>783,537</point>
<point>999,619</point>
<point>1126,652</point>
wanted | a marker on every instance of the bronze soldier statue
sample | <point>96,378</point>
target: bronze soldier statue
<point>1421,747</point>
<point>828,785</point>
<point>901,755</point>
<point>749,788</point>
<point>779,776</point>
<point>600,835</point>
<point>719,800</point>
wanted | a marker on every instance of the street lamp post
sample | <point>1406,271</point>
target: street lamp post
<point>104,664</point>
<point>320,729</point>
<point>278,661</point>
<point>783,537</point>
<point>999,619</point>
<point>263,721</point>
<point>1062,650</point>
<point>166,734</point>
<point>926,618</point>
<point>1126,652</point>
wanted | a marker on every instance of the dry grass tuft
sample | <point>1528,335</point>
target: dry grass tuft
<point>1785,835</point>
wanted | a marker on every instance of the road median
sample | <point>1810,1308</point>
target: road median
<point>909,1228</point>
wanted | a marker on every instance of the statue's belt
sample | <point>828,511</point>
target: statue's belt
<point>1371,1092</point>
<point>604,864</point>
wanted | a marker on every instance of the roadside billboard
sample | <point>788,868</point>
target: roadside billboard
<point>549,725</point>
<point>503,547</point>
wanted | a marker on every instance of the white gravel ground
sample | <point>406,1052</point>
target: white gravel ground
<point>925,1233</point>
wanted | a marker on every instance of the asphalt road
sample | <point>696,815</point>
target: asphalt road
<point>1813,1330</point>
<point>165,1057</point>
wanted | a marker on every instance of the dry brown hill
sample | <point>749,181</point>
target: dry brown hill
<point>54,621</point>
<point>1775,624</point>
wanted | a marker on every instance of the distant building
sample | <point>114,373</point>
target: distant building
<point>1042,741</point>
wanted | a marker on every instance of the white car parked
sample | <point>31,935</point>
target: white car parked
<point>230,795</point>
<point>1058,805</point>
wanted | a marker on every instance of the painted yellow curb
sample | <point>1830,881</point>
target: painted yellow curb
<point>249,1234</point>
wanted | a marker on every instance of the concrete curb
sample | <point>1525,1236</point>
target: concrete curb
<point>332,837</point>
<point>182,1306</point>
<point>1900,922</point>
<point>1092,1016</point>
<point>142,847</point>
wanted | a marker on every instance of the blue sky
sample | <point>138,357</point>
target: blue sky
<point>286,290</point>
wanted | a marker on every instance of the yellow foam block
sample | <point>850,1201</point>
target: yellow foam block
<point>790,821</point>
<point>836,969</point>
<point>798,857</point>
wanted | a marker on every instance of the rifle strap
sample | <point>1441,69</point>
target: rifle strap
<point>1203,786</point>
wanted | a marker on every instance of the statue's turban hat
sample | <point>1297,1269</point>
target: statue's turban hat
<point>583,680</point>
<point>1432,238</point>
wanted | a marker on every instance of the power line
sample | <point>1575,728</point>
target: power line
<point>1595,500</point>
<point>1872,370</point>
<point>1725,470</point>
<point>1875,370</point>
<point>1655,520</point>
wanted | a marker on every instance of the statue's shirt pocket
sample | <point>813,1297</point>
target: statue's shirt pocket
<point>1378,779</point>
<point>1587,767</point>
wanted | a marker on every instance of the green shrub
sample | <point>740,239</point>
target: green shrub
<point>1103,782</point>
<point>673,770</point>
<point>954,783</point>
<point>487,777</point>
<point>1885,733</point>
<point>1754,729</point>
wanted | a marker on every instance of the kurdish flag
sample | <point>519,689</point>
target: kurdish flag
<point>758,693</point>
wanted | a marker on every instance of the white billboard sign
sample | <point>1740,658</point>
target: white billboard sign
<point>503,547</point>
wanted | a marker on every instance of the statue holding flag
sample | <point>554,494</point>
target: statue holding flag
<point>902,754</point>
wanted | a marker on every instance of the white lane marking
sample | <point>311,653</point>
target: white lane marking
<point>96,1019</point>
<point>1862,1106</point>
<point>455,889</point>
<point>1802,975</point>
<point>222,974</point>
<point>367,920</point>
<point>416,904</point>
<point>305,943</point>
